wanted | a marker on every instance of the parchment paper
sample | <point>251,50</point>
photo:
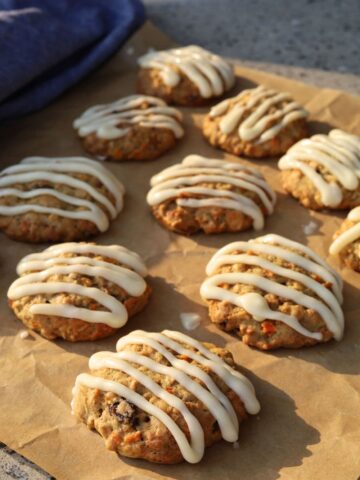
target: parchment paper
<point>309,424</point>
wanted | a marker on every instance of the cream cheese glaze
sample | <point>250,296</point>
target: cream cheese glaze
<point>59,171</point>
<point>350,235</point>
<point>190,320</point>
<point>327,303</point>
<point>35,270</point>
<point>181,183</point>
<point>169,344</point>
<point>338,153</point>
<point>266,120</point>
<point>210,73</point>
<point>116,119</point>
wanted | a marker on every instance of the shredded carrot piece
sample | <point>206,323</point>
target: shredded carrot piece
<point>133,437</point>
<point>184,357</point>
<point>268,327</point>
<point>115,439</point>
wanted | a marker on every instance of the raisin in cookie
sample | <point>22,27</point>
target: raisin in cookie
<point>58,199</point>
<point>257,123</point>
<point>323,171</point>
<point>346,242</point>
<point>163,397</point>
<point>210,195</point>
<point>273,292</point>
<point>137,127</point>
<point>79,291</point>
<point>189,76</point>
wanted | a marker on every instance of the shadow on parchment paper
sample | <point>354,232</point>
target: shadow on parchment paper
<point>329,356</point>
<point>270,162</point>
<point>274,447</point>
<point>219,154</point>
<point>319,127</point>
<point>242,83</point>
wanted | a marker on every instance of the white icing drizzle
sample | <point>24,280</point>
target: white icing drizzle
<point>36,268</point>
<point>350,235</point>
<point>182,372</point>
<point>310,228</point>
<point>115,120</point>
<point>24,334</point>
<point>58,171</point>
<point>190,320</point>
<point>262,124</point>
<point>327,305</point>
<point>210,73</point>
<point>181,183</point>
<point>338,153</point>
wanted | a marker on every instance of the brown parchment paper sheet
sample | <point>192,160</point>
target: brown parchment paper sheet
<point>309,424</point>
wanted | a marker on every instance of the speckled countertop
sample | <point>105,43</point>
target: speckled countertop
<point>315,41</point>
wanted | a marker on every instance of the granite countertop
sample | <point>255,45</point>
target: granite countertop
<point>314,41</point>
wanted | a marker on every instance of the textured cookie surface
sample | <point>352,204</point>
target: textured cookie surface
<point>187,76</point>
<point>163,397</point>
<point>273,292</point>
<point>137,127</point>
<point>210,195</point>
<point>58,199</point>
<point>257,123</point>
<point>346,241</point>
<point>79,291</point>
<point>323,171</point>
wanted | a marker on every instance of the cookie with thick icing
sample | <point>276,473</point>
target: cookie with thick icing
<point>209,195</point>
<point>259,122</point>
<point>273,292</point>
<point>137,127</point>
<point>189,76</point>
<point>163,397</point>
<point>58,199</point>
<point>79,291</point>
<point>324,171</point>
<point>346,241</point>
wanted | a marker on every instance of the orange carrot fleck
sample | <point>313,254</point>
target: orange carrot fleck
<point>268,327</point>
<point>133,437</point>
<point>184,357</point>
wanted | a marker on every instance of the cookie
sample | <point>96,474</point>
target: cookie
<point>79,291</point>
<point>273,292</point>
<point>58,199</point>
<point>346,241</point>
<point>163,397</point>
<point>213,196</point>
<point>257,123</point>
<point>189,76</point>
<point>137,127</point>
<point>323,171</point>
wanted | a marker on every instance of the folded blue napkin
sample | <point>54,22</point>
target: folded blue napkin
<point>48,45</point>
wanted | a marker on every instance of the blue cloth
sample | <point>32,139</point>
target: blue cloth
<point>48,45</point>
